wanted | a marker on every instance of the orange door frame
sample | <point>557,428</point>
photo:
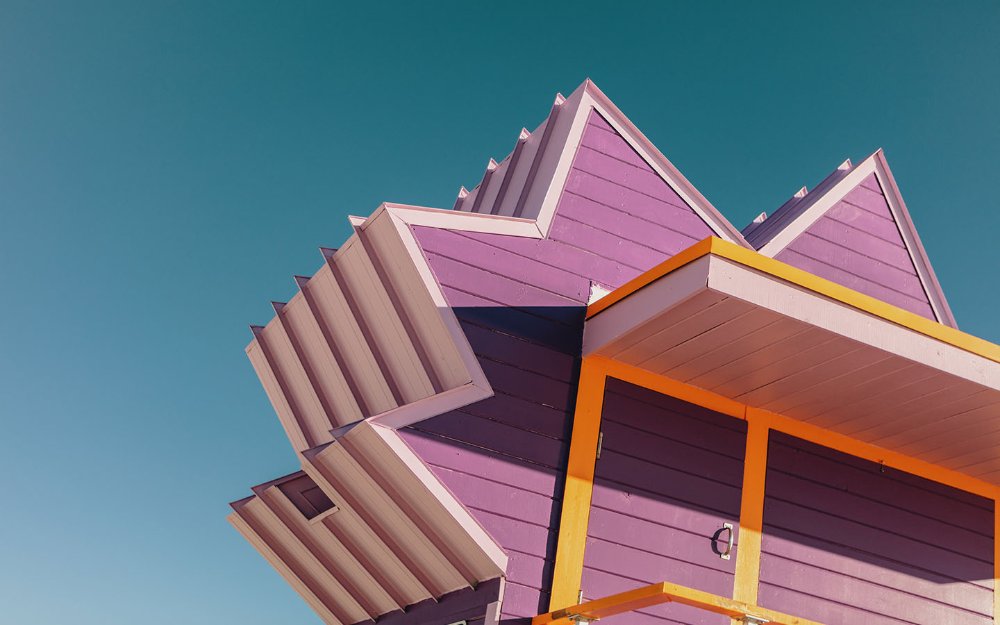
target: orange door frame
<point>575,514</point>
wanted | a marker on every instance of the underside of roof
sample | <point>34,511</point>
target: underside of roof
<point>770,336</point>
<point>365,529</point>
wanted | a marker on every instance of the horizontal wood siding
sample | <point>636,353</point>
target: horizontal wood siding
<point>670,474</point>
<point>847,541</point>
<point>521,303</point>
<point>857,243</point>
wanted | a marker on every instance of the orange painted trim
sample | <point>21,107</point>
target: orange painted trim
<point>811,433</point>
<point>575,515</point>
<point>678,260</point>
<point>664,592</point>
<point>804,279</point>
<point>996,560</point>
<point>747,578</point>
<point>668,386</point>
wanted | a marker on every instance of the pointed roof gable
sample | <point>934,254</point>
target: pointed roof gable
<point>854,229</point>
<point>529,182</point>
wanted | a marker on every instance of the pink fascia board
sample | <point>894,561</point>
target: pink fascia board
<point>782,230</point>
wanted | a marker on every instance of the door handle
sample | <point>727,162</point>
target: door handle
<point>730,539</point>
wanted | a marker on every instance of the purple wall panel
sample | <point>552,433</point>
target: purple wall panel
<point>669,476</point>
<point>846,542</point>
<point>521,303</point>
<point>858,244</point>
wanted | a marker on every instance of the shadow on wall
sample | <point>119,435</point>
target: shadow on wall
<point>831,522</point>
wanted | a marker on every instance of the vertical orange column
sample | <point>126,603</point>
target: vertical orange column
<point>579,486</point>
<point>996,558</point>
<point>752,508</point>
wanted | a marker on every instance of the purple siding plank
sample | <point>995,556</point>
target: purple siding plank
<point>522,413</point>
<point>641,179</point>
<point>537,325</point>
<point>917,582</point>
<point>852,281</point>
<point>863,243</point>
<point>625,226</point>
<point>669,453</point>
<point>613,247</point>
<point>529,570</point>
<point>672,213</point>
<point>522,601</point>
<point>866,479</point>
<point>501,262</point>
<point>614,501</point>
<point>643,478</point>
<point>492,286</point>
<point>838,502</point>
<point>609,142</point>
<point>668,425</point>
<point>586,263</point>
<point>493,343</point>
<point>845,538</point>
<point>516,534</point>
<point>844,542</point>
<point>650,536</point>
<point>865,221</point>
<point>498,497</point>
<point>530,386</point>
<point>445,454</point>
<point>854,262</point>
<point>628,562</point>
<point>873,201</point>
<point>501,438</point>
<point>876,600</point>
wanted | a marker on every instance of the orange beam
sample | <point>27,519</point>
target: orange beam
<point>660,593</point>
<point>747,578</point>
<point>782,271</point>
<point>579,489</point>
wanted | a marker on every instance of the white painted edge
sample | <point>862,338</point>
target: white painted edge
<point>819,208</point>
<point>874,164</point>
<point>623,317</point>
<point>803,305</point>
<point>663,167</point>
<point>922,263</point>
<point>434,486</point>
<point>432,406</point>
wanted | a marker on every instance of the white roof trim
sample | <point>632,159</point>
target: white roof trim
<point>874,164</point>
<point>571,124</point>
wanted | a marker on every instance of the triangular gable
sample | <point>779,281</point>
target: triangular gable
<point>854,229</point>
<point>529,182</point>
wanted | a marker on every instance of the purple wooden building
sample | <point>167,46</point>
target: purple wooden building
<point>582,394</point>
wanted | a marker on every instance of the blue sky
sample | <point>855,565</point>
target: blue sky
<point>165,168</point>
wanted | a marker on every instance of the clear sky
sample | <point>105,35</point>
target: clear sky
<point>165,168</point>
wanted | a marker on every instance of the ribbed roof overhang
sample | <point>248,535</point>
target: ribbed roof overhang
<point>393,537</point>
<point>770,336</point>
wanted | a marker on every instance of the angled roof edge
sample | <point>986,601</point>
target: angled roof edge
<point>530,180</point>
<point>663,167</point>
<point>394,537</point>
<point>830,290</point>
<point>795,217</point>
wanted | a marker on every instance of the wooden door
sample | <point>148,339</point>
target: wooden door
<point>667,483</point>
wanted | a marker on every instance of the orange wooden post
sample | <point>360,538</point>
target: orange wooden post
<point>747,576</point>
<point>575,514</point>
